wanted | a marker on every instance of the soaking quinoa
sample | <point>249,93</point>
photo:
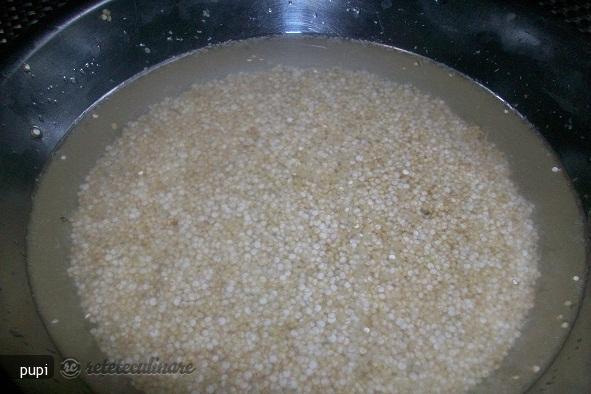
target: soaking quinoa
<point>305,230</point>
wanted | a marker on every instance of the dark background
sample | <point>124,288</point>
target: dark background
<point>22,18</point>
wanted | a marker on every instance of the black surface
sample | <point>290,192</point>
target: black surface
<point>21,19</point>
<point>7,386</point>
<point>575,13</point>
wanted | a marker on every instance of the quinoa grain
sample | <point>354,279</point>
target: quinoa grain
<point>310,231</point>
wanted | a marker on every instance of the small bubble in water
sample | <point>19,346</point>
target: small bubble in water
<point>36,132</point>
<point>269,10</point>
<point>73,80</point>
<point>27,67</point>
<point>315,15</point>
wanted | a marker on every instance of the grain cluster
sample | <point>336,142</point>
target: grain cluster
<point>307,231</point>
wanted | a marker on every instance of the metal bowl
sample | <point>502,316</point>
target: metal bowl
<point>542,71</point>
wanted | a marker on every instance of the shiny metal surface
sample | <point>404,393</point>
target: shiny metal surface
<point>542,71</point>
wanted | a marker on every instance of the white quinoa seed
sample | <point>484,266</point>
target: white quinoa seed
<point>205,234</point>
<point>106,15</point>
